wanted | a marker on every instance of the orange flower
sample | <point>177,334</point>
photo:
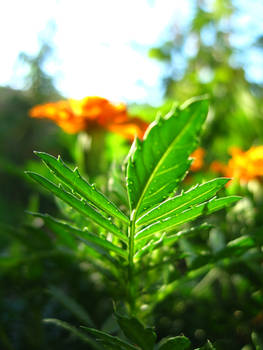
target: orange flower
<point>244,165</point>
<point>198,156</point>
<point>90,113</point>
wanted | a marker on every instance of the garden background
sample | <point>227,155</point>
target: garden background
<point>212,48</point>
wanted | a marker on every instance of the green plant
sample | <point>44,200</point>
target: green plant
<point>135,248</point>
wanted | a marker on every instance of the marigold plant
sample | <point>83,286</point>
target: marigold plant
<point>90,113</point>
<point>198,159</point>
<point>133,242</point>
<point>243,165</point>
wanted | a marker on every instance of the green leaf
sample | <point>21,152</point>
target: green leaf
<point>66,229</point>
<point>186,216</point>
<point>78,205</point>
<point>174,206</point>
<point>111,341</point>
<point>74,181</point>
<point>175,343</point>
<point>136,332</point>
<point>73,330</point>
<point>156,165</point>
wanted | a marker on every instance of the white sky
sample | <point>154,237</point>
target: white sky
<point>100,45</point>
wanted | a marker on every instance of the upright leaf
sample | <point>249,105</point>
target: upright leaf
<point>158,163</point>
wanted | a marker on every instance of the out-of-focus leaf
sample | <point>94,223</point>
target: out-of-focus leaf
<point>257,341</point>
<point>136,332</point>
<point>175,343</point>
<point>207,346</point>
<point>110,341</point>
<point>66,229</point>
<point>74,331</point>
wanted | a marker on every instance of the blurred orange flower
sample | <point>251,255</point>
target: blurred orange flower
<point>198,156</point>
<point>90,113</point>
<point>243,165</point>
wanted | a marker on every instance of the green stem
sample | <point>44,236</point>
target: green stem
<point>131,284</point>
<point>90,152</point>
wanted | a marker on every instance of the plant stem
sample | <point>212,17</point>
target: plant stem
<point>90,152</point>
<point>131,284</point>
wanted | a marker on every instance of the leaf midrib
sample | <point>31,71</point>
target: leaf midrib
<point>158,165</point>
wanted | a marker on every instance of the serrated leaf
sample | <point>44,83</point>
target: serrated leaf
<point>136,332</point>
<point>73,330</point>
<point>175,343</point>
<point>78,205</point>
<point>77,183</point>
<point>107,339</point>
<point>174,206</point>
<point>66,229</point>
<point>156,165</point>
<point>186,216</point>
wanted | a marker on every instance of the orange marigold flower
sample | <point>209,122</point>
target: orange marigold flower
<point>243,165</point>
<point>89,113</point>
<point>198,156</point>
<point>218,167</point>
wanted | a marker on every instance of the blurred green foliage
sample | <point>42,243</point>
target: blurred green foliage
<point>201,58</point>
